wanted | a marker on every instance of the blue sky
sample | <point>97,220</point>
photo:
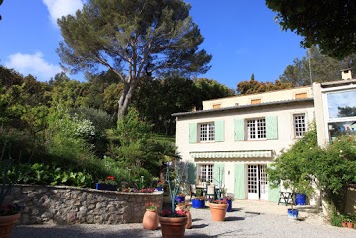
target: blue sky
<point>241,35</point>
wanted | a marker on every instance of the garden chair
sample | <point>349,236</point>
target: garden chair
<point>193,191</point>
<point>210,191</point>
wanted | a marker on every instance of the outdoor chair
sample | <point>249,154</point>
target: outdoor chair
<point>210,191</point>
<point>193,191</point>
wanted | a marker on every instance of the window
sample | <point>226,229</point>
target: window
<point>256,129</point>
<point>341,104</point>
<point>216,106</point>
<point>255,101</point>
<point>206,172</point>
<point>207,132</point>
<point>299,125</point>
<point>300,95</point>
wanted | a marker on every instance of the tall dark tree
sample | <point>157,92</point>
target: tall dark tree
<point>209,89</point>
<point>133,38</point>
<point>316,67</point>
<point>329,24</point>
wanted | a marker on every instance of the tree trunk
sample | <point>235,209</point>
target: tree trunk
<point>126,97</point>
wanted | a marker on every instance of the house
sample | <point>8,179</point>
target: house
<point>335,114</point>
<point>234,139</point>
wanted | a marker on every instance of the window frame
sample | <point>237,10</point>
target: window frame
<point>256,129</point>
<point>209,134</point>
<point>298,125</point>
<point>208,170</point>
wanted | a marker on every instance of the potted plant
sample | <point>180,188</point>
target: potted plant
<point>150,219</point>
<point>218,209</point>
<point>173,222</point>
<point>347,221</point>
<point>198,202</point>
<point>9,212</point>
<point>180,197</point>
<point>108,184</point>
<point>160,185</point>
<point>184,208</point>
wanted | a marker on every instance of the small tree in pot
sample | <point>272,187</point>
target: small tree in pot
<point>291,169</point>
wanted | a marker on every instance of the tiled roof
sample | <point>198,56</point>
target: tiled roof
<point>243,106</point>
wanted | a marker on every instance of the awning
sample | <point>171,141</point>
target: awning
<point>233,154</point>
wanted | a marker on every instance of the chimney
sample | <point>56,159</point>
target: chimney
<point>346,74</point>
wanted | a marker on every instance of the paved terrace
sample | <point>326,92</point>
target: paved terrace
<point>248,219</point>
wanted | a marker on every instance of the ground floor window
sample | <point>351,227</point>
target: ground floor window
<point>205,172</point>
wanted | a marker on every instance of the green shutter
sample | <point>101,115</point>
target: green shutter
<point>192,173</point>
<point>272,128</point>
<point>273,193</point>
<point>239,190</point>
<point>239,125</point>
<point>219,130</point>
<point>193,130</point>
<point>219,173</point>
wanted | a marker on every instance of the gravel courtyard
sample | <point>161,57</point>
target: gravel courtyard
<point>248,219</point>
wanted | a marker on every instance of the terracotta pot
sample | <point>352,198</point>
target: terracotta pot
<point>173,227</point>
<point>7,223</point>
<point>344,224</point>
<point>349,224</point>
<point>218,211</point>
<point>150,220</point>
<point>189,221</point>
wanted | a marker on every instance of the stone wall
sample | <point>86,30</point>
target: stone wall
<point>70,205</point>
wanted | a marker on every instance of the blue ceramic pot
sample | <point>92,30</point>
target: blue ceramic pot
<point>103,186</point>
<point>229,208</point>
<point>198,203</point>
<point>179,199</point>
<point>293,213</point>
<point>300,199</point>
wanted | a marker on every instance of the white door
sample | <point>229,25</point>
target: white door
<point>263,182</point>
<point>257,182</point>
<point>252,181</point>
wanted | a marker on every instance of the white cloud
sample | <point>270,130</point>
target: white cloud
<point>59,8</point>
<point>33,64</point>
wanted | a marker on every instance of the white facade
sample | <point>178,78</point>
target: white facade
<point>231,149</point>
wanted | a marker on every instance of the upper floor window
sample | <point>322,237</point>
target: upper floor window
<point>207,132</point>
<point>301,95</point>
<point>216,106</point>
<point>341,104</point>
<point>255,101</point>
<point>256,129</point>
<point>299,125</point>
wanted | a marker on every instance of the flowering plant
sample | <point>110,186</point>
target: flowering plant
<point>160,183</point>
<point>151,206</point>
<point>181,194</point>
<point>169,213</point>
<point>179,169</point>
<point>147,190</point>
<point>219,201</point>
<point>201,198</point>
<point>183,208</point>
<point>109,180</point>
